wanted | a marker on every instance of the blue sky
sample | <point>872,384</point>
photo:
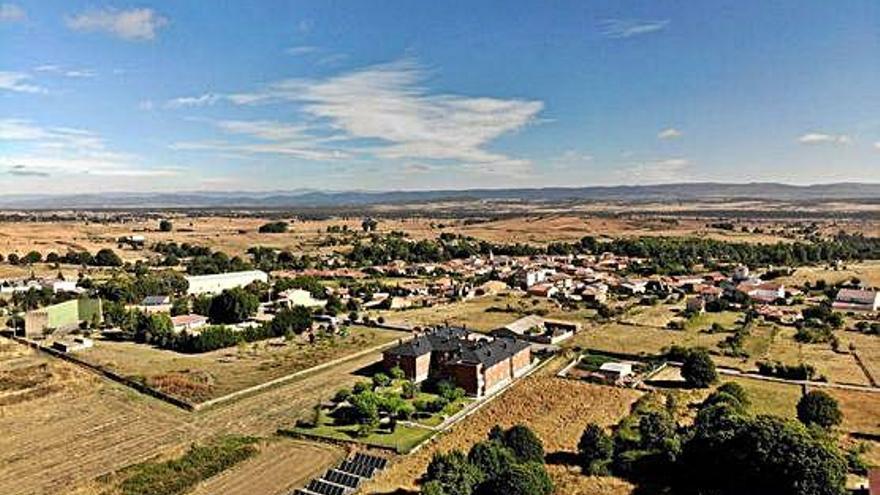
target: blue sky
<point>323,94</point>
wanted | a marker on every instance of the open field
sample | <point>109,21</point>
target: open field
<point>617,337</point>
<point>199,377</point>
<point>280,466</point>
<point>482,313</point>
<point>59,442</point>
<point>868,272</point>
<point>555,408</point>
<point>235,235</point>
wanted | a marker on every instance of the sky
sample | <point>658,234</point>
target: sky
<point>390,95</point>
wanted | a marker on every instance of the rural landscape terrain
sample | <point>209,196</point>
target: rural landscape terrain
<point>193,380</point>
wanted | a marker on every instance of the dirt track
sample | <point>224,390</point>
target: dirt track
<point>55,443</point>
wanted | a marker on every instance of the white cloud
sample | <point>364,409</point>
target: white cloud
<point>823,138</point>
<point>301,50</point>
<point>146,105</point>
<point>627,28</point>
<point>61,71</point>
<point>44,151</point>
<point>10,12</point>
<point>877,145</point>
<point>390,105</point>
<point>267,137</point>
<point>134,24</point>
<point>670,133</point>
<point>203,100</point>
<point>19,83</point>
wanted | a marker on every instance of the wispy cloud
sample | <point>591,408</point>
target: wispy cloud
<point>670,133</point>
<point>267,137</point>
<point>824,138</point>
<point>203,100</point>
<point>19,82</point>
<point>66,72</point>
<point>627,28</point>
<point>133,24</point>
<point>389,104</point>
<point>877,145</point>
<point>302,50</point>
<point>24,171</point>
<point>10,12</point>
<point>61,150</point>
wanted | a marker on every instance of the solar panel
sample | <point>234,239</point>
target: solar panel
<point>304,492</point>
<point>326,488</point>
<point>370,460</point>
<point>357,469</point>
<point>341,478</point>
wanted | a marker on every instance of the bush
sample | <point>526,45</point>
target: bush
<point>273,228</point>
<point>819,408</point>
<point>594,449</point>
<point>233,306</point>
<point>698,369</point>
<point>525,445</point>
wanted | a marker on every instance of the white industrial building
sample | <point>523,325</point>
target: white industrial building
<point>215,284</point>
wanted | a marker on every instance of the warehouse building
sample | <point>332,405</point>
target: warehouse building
<point>63,316</point>
<point>217,283</point>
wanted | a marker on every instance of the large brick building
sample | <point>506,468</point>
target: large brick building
<point>478,366</point>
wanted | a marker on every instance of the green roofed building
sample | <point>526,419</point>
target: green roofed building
<point>62,316</point>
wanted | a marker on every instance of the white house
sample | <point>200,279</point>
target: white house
<point>217,283</point>
<point>300,297</point>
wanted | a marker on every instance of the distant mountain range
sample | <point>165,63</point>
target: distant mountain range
<point>311,198</point>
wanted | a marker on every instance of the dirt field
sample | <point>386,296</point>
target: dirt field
<point>556,409</point>
<point>236,235</point>
<point>61,441</point>
<point>868,272</point>
<point>280,466</point>
<point>199,377</point>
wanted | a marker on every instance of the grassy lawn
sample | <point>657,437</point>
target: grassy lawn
<point>653,316</point>
<point>176,476</point>
<point>615,337</point>
<point>403,439</point>
<point>198,377</point>
<point>779,399</point>
<point>704,321</point>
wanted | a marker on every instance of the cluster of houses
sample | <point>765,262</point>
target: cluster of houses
<point>56,285</point>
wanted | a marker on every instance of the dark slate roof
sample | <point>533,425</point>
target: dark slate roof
<point>443,339</point>
<point>490,353</point>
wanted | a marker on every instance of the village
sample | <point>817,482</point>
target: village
<point>436,339</point>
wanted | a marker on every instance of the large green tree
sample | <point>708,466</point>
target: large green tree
<point>233,306</point>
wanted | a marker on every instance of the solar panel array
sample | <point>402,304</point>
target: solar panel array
<point>370,460</point>
<point>341,478</point>
<point>326,488</point>
<point>357,469</point>
<point>345,479</point>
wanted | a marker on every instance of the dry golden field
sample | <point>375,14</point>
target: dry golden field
<point>235,235</point>
<point>556,409</point>
<point>199,377</point>
<point>61,441</point>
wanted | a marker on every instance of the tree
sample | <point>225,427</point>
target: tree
<point>381,380</point>
<point>297,320</point>
<point>233,306</point>
<point>32,257</point>
<point>529,478</point>
<point>594,448</point>
<point>165,225</point>
<point>179,306</point>
<point>525,445</point>
<point>698,369</point>
<point>819,408</point>
<point>453,473</point>
<point>273,228</point>
<point>106,257</point>
<point>492,458</point>
<point>655,428</point>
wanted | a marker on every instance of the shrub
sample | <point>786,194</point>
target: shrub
<point>819,408</point>
<point>698,369</point>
